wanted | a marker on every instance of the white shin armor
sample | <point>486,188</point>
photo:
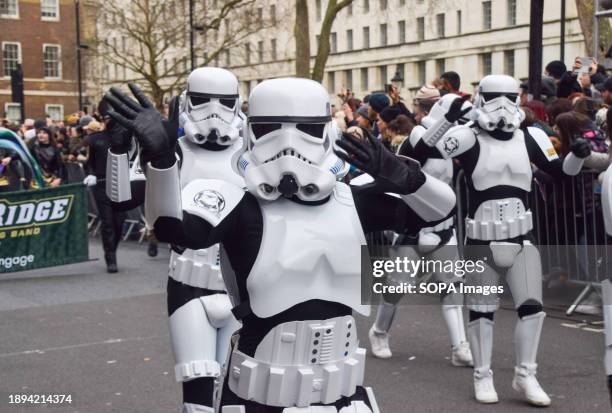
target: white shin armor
<point>527,339</point>
<point>480,334</point>
<point>118,177</point>
<point>453,315</point>
<point>299,363</point>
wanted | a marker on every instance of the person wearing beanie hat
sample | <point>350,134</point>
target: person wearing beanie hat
<point>606,94</point>
<point>377,102</point>
<point>427,92</point>
<point>363,119</point>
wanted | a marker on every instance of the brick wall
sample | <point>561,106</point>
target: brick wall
<point>32,32</point>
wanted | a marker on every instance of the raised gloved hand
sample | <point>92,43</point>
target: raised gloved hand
<point>455,112</point>
<point>90,180</point>
<point>581,148</point>
<point>391,173</point>
<point>156,136</point>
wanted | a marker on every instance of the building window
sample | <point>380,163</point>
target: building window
<point>422,73</point>
<point>382,75</point>
<point>366,6</point>
<point>383,4</point>
<point>247,53</point>
<point>401,29</point>
<point>485,63</point>
<point>273,13</point>
<point>366,37</point>
<point>318,9</point>
<point>440,23</point>
<point>11,57</point>
<point>511,12</point>
<point>12,111</point>
<point>227,57</point>
<point>52,61</point>
<point>49,9</point>
<point>348,79</point>
<point>365,82</point>
<point>486,15</point>
<point>349,40</point>
<point>458,21</point>
<point>349,9</point>
<point>260,51</point>
<point>331,81</point>
<point>273,49</point>
<point>400,69</point>
<point>402,2</point>
<point>55,112</point>
<point>9,8</point>
<point>440,66</point>
<point>421,28</point>
<point>259,18</point>
<point>334,43</point>
<point>509,62</point>
<point>383,34</point>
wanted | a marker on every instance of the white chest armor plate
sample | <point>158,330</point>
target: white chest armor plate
<point>201,268</point>
<point>308,253</point>
<point>502,163</point>
<point>200,163</point>
<point>439,168</point>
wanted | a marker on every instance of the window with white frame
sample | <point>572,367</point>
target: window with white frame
<point>11,57</point>
<point>52,61</point>
<point>9,8</point>
<point>486,15</point>
<point>54,111</point>
<point>49,9</point>
<point>349,39</point>
<point>12,111</point>
<point>511,7</point>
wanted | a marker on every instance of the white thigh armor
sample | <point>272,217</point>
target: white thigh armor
<point>299,363</point>
<point>198,268</point>
<point>499,219</point>
<point>308,254</point>
<point>606,292</point>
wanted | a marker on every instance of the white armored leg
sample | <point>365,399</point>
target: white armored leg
<point>194,342</point>
<point>480,333</point>
<point>461,354</point>
<point>606,292</point>
<point>524,277</point>
<point>379,332</point>
<point>527,339</point>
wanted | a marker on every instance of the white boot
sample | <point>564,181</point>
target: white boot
<point>379,342</point>
<point>460,349</point>
<point>527,338</point>
<point>606,293</point>
<point>480,334</point>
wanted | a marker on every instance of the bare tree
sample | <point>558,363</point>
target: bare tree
<point>148,40</point>
<point>585,16</point>
<point>302,38</point>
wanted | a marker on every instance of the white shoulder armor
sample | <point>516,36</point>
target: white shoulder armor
<point>540,137</point>
<point>456,141</point>
<point>416,135</point>
<point>211,199</point>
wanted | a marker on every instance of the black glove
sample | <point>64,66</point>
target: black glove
<point>120,137</point>
<point>581,148</point>
<point>455,112</point>
<point>391,173</point>
<point>610,387</point>
<point>156,136</point>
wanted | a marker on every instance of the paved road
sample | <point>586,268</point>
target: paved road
<point>103,339</point>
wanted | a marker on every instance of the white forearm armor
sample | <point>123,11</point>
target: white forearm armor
<point>434,200</point>
<point>436,131</point>
<point>572,164</point>
<point>163,193</point>
<point>118,177</point>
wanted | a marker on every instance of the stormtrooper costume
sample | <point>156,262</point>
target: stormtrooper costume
<point>496,156</point>
<point>201,322</point>
<point>606,285</point>
<point>434,243</point>
<point>293,240</point>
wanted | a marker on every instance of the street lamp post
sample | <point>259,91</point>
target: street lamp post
<point>535,48</point>
<point>78,50</point>
<point>191,39</point>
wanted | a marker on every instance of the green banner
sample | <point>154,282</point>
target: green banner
<point>43,228</point>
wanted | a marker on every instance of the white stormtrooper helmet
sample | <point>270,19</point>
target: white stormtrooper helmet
<point>210,107</point>
<point>440,108</point>
<point>288,142</point>
<point>497,104</point>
